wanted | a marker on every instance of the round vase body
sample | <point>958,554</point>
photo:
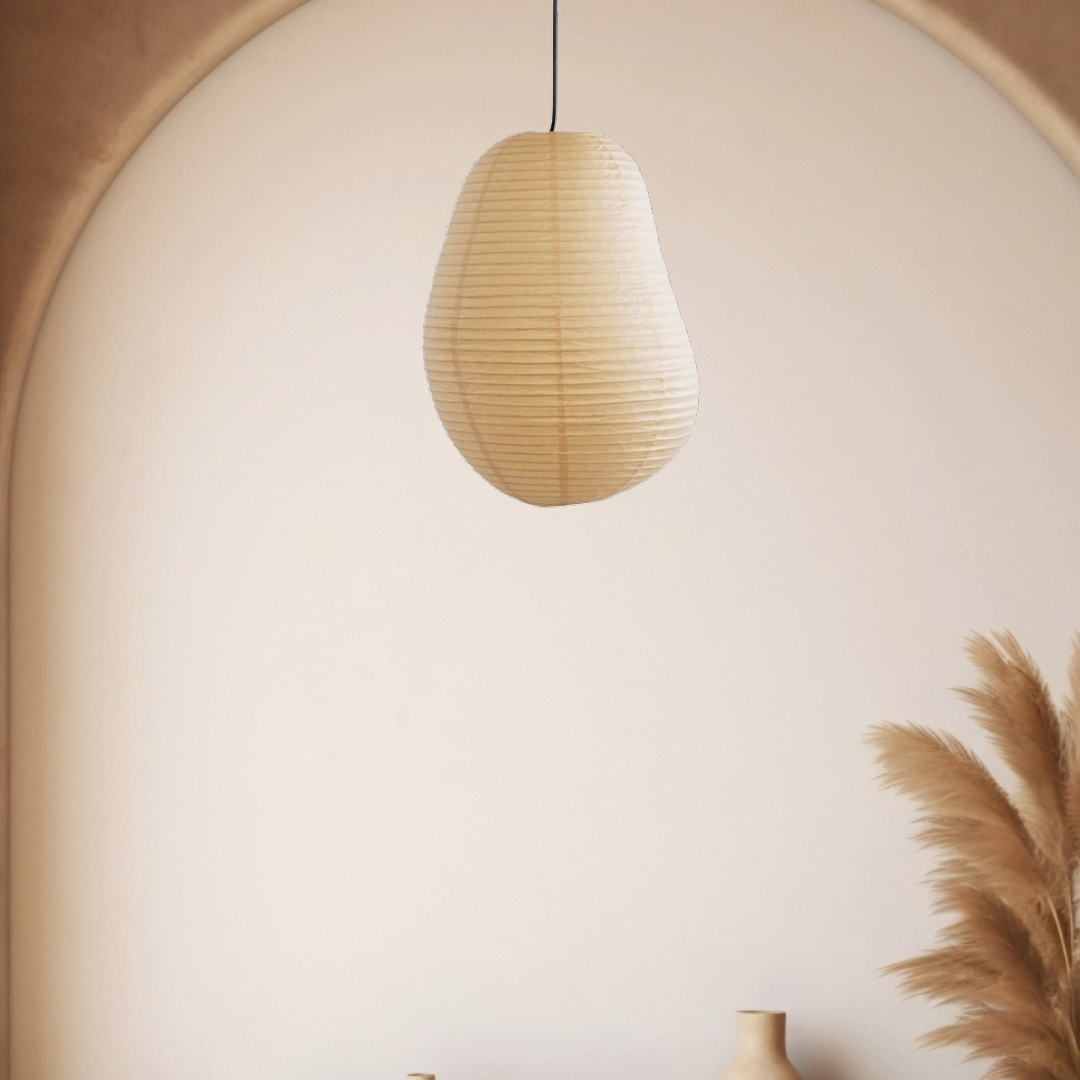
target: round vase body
<point>760,1052</point>
<point>554,348</point>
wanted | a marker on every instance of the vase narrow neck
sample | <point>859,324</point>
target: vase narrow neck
<point>761,1034</point>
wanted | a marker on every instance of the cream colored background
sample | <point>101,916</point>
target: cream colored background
<point>331,761</point>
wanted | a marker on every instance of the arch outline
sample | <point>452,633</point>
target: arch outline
<point>83,82</point>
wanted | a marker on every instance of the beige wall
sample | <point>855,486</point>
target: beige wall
<point>332,762</point>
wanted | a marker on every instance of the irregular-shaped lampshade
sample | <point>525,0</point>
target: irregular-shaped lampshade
<point>554,347</point>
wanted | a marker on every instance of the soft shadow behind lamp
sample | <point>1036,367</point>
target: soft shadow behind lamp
<point>554,347</point>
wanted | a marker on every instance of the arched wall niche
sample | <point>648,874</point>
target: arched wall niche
<point>83,84</point>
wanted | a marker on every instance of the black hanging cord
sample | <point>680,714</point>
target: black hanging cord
<point>554,61</point>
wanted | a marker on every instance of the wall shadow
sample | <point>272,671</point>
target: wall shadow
<point>823,1058</point>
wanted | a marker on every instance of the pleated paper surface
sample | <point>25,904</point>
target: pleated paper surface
<point>554,347</point>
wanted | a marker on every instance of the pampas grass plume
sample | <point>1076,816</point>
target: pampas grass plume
<point>1006,875</point>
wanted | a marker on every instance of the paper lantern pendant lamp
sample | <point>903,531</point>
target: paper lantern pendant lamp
<point>554,348</point>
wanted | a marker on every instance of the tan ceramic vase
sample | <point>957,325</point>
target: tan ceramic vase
<point>760,1053</point>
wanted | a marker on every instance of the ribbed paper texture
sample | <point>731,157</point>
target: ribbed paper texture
<point>554,347</point>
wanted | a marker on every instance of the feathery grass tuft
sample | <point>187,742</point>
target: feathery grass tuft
<point>1007,870</point>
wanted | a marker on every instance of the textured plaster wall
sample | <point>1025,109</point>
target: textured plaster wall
<point>331,761</point>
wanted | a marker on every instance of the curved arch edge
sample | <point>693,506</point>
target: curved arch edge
<point>65,133</point>
<point>80,89</point>
<point>1028,50</point>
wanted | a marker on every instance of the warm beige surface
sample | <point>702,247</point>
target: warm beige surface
<point>553,343</point>
<point>84,82</point>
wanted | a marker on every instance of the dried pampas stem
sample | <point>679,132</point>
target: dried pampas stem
<point>1008,866</point>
